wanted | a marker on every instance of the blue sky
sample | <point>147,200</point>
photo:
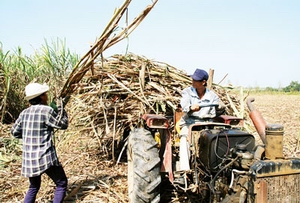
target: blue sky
<point>255,42</point>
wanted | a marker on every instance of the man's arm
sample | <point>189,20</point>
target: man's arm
<point>16,129</point>
<point>185,101</point>
<point>58,119</point>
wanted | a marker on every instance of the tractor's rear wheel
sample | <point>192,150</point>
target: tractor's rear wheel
<point>143,167</point>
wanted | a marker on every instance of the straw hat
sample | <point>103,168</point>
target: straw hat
<point>33,90</point>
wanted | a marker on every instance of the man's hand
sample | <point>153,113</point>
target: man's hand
<point>54,106</point>
<point>195,107</point>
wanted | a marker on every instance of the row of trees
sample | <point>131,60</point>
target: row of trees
<point>294,86</point>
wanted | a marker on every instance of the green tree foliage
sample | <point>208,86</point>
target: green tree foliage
<point>294,86</point>
<point>272,89</point>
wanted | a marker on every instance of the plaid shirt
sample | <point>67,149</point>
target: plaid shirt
<point>35,126</point>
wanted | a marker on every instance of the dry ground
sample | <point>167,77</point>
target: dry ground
<point>94,179</point>
<point>284,110</point>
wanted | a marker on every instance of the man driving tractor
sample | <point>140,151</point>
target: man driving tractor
<point>193,98</point>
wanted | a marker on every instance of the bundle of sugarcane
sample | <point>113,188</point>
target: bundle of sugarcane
<point>106,40</point>
<point>114,93</point>
<point>122,88</point>
<point>113,96</point>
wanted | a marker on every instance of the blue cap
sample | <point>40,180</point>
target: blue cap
<point>200,74</point>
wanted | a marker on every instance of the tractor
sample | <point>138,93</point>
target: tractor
<point>226,162</point>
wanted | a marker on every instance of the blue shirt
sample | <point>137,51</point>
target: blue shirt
<point>190,97</point>
<point>35,125</point>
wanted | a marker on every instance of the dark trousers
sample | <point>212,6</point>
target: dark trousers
<point>57,174</point>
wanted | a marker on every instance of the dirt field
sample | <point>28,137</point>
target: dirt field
<point>284,110</point>
<point>94,179</point>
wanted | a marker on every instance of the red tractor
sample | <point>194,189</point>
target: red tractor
<point>226,164</point>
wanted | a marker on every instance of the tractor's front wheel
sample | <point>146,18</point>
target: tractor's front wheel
<point>143,167</point>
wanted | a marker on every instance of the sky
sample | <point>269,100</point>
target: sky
<point>248,43</point>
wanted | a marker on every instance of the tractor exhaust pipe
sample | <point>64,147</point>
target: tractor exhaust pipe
<point>270,134</point>
<point>257,119</point>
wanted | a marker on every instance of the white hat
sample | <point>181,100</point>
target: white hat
<point>34,90</point>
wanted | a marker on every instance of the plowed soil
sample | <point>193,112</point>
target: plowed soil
<point>284,110</point>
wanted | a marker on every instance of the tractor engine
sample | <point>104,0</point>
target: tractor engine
<point>223,157</point>
<point>217,146</point>
<point>233,168</point>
